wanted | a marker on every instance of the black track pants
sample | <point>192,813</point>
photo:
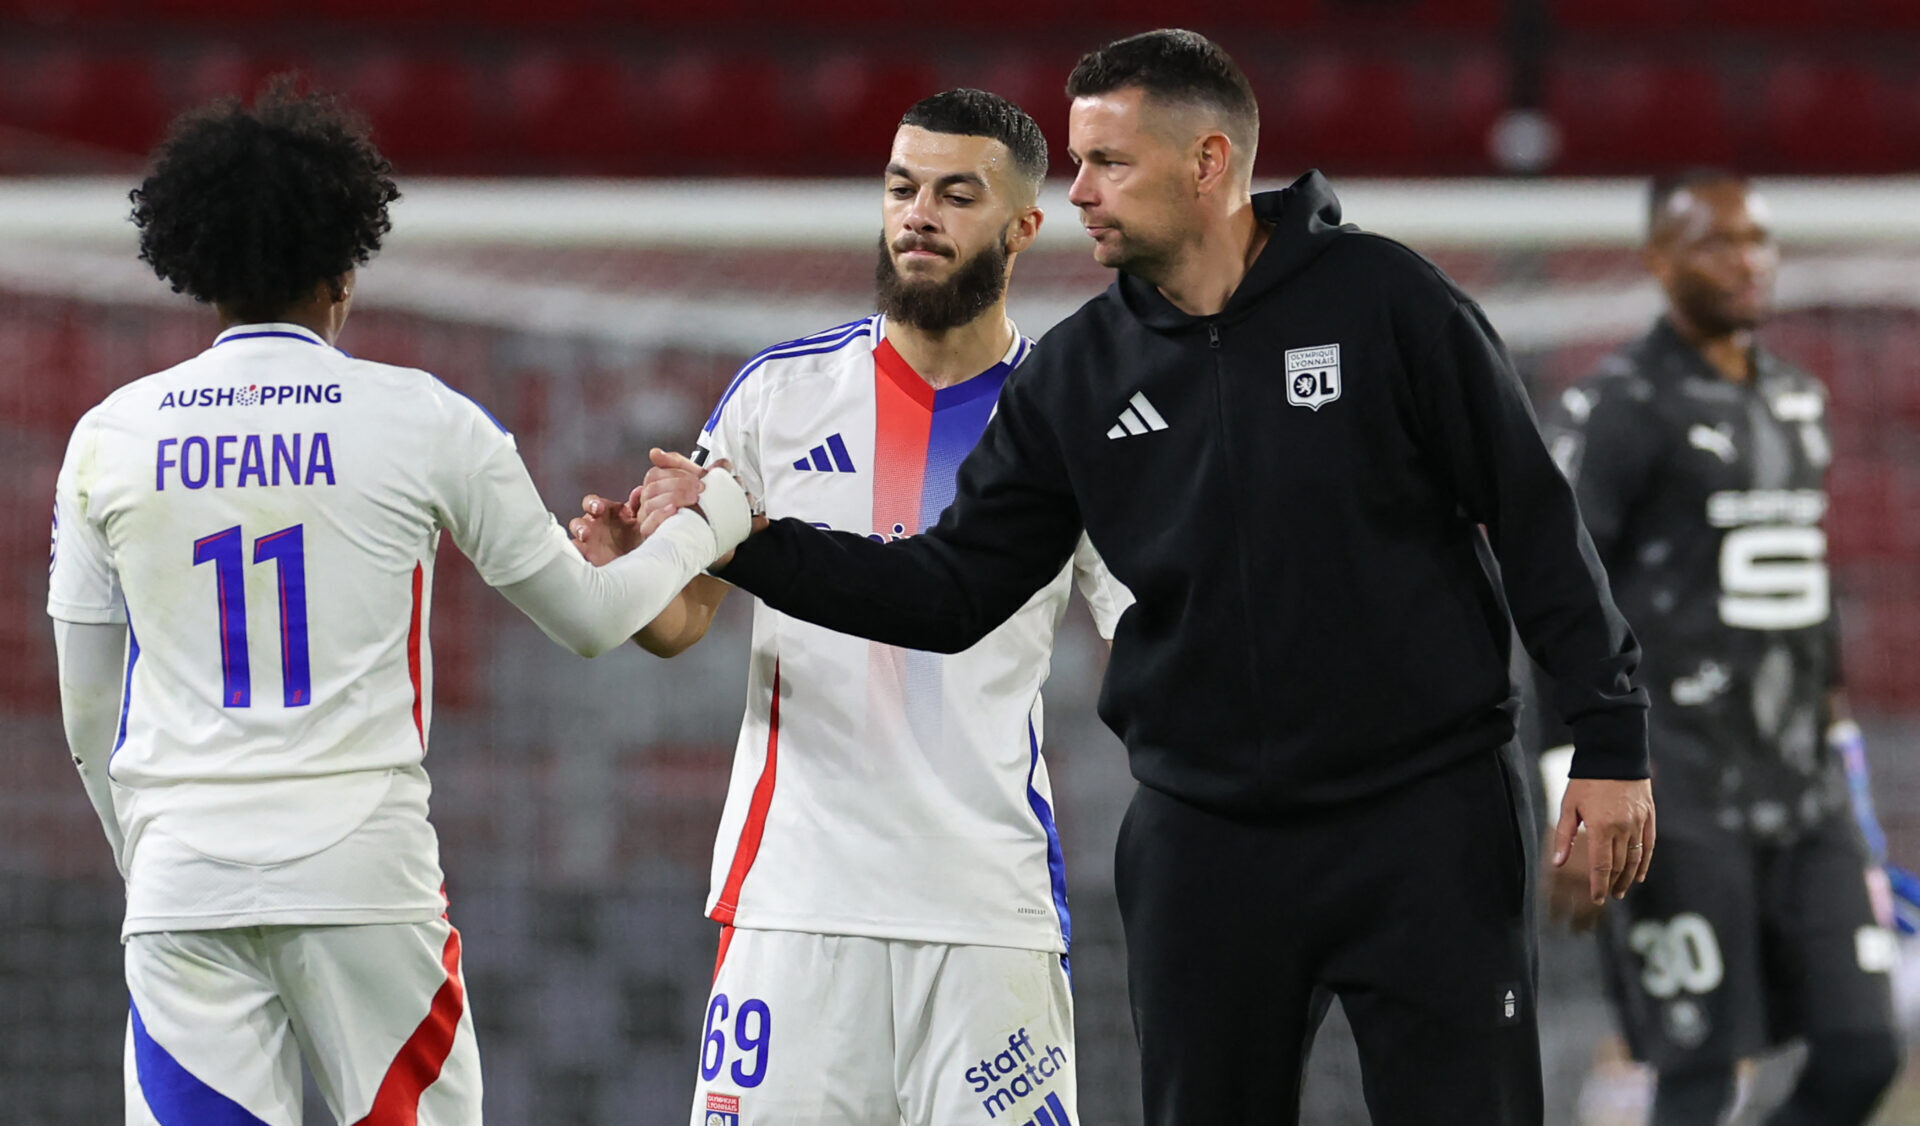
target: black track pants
<point>1410,906</point>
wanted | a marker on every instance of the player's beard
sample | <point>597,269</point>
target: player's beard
<point>1713,310</point>
<point>938,306</point>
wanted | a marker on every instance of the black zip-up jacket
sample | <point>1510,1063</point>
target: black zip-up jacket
<point>1293,490</point>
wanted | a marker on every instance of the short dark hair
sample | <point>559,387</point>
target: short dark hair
<point>1662,189</point>
<point>1177,66</point>
<point>976,113</point>
<point>251,208</point>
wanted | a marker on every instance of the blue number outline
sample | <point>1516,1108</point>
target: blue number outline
<point>222,548</point>
<point>289,547</point>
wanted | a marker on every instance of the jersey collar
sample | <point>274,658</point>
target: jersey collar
<point>1685,360</point>
<point>1016,350</point>
<point>895,368</point>
<point>269,330</point>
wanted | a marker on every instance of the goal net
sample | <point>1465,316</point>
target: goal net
<point>577,801</point>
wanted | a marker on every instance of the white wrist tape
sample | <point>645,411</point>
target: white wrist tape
<point>724,503</point>
<point>1555,767</point>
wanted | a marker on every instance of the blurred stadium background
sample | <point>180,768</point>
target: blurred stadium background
<point>597,316</point>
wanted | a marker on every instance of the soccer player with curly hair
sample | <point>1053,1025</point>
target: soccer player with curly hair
<point>242,576</point>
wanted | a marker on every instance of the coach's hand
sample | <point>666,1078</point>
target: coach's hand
<point>671,485</point>
<point>1620,832</point>
<point>674,483</point>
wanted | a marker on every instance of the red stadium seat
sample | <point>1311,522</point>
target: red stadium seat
<point>1627,14</point>
<point>682,17</point>
<point>107,101</point>
<point>423,107</point>
<point>1626,115</point>
<point>1860,522</point>
<point>1890,14</point>
<point>222,70</point>
<point>721,114</point>
<point>1790,15</point>
<point>571,114</point>
<point>1344,114</point>
<point>429,13</point>
<point>223,13</point>
<point>546,12</point>
<point>857,99</point>
<point>1750,13</point>
<point>1472,14</point>
<point>1903,111</point>
<point>64,14</point>
<point>1881,638</point>
<point>1459,99</point>
<point>1822,117</point>
<point>1483,15</point>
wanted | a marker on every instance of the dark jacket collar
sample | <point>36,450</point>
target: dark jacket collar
<point>1305,217</point>
<point>1676,357</point>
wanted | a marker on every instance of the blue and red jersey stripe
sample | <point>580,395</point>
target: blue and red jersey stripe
<point>921,435</point>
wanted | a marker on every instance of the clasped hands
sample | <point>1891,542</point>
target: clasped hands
<point>607,529</point>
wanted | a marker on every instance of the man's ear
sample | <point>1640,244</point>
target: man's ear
<point>1212,162</point>
<point>1024,229</point>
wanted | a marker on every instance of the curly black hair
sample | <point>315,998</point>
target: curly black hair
<point>251,208</point>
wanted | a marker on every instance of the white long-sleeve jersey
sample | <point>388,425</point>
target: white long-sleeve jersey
<point>263,519</point>
<point>880,791</point>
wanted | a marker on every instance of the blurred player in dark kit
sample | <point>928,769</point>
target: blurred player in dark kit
<point>1700,460</point>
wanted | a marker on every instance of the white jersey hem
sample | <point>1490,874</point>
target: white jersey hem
<point>943,934</point>
<point>283,917</point>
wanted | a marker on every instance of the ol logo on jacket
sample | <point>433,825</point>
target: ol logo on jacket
<point>1313,376</point>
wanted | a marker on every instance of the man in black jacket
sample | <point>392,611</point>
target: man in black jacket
<point>1285,436</point>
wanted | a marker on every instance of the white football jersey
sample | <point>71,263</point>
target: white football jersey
<point>263,518</point>
<point>880,791</point>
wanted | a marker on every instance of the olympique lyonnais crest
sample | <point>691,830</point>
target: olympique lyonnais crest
<point>722,1110</point>
<point>1313,376</point>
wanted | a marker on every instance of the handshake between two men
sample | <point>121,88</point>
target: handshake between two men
<point>607,529</point>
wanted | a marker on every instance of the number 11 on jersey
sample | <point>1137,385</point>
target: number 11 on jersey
<point>287,547</point>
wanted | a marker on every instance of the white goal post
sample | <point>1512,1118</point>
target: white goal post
<point>1850,242</point>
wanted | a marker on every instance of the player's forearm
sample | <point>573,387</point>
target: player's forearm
<point>670,633</point>
<point>92,663</point>
<point>685,620</point>
<point>591,610</point>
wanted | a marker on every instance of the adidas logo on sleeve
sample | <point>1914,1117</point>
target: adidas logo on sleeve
<point>1139,418</point>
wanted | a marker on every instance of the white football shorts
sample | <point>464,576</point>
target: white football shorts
<point>222,1018</point>
<point>833,1030</point>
